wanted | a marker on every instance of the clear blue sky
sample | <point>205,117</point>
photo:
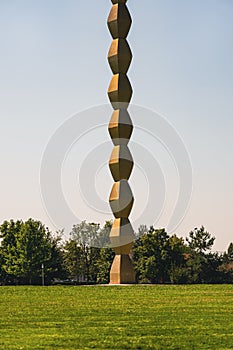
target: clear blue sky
<point>53,64</point>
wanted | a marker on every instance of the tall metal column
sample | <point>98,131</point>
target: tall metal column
<point>120,129</point>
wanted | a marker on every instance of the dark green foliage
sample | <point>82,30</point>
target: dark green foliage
<point>83,256</point>
<point>104,265</point>
<point>178,250</point>
<point>159,258</point>
<point>230,253</point>
<point>73,261</point>
<point>203,268</point>
<point>226,267</point>
<point>87,257</point>
<point>3,275</point>
<point>201,265</point>
<point>24,247</point>
<point>150,253</point>
<point>200,240</point>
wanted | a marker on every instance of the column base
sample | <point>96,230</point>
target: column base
<point>122,270</point>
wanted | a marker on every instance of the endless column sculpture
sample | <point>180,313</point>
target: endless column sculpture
<point>120,129</point>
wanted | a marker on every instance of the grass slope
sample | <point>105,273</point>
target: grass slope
<point>128,317</point>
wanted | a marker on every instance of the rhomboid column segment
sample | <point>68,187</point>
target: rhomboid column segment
<point>120,129</point>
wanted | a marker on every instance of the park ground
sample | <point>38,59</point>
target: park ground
<point>117,317</point>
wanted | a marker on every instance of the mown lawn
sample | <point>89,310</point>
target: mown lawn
<point>117,317</point>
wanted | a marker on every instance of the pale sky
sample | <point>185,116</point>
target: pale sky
<point>53,65</point>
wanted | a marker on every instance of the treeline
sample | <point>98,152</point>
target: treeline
<point>27,247</point>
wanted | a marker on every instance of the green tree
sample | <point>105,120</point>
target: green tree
<point>102,240</point>
<point>3,275</point>
<point>200,240</point>
<point>84,255</point>
<point>24,247</point>
<point>226,268</point>
<point>85,235</point>
<point>151,256</point>
<point>105,255</point>
<point>230,253</point>
<point>200,262</point>
<point>104,264</point>
<point>210,272</point>
<point>177,252</point>
<point>72,260</point>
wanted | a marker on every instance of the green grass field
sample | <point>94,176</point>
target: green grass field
<point>117,317</point>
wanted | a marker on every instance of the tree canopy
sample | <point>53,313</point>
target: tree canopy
<point>25,246</point>
<point>86,257</point>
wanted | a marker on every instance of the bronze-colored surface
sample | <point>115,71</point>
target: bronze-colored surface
<point>119,21</point>
<point>119,1</point>
<point>121,199</point>
<point>122,236</point>
<point>122,270</point>
<point>120,90</point>
<point>120,129</point>
<point>119,56</point>
<point>121,163</point>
